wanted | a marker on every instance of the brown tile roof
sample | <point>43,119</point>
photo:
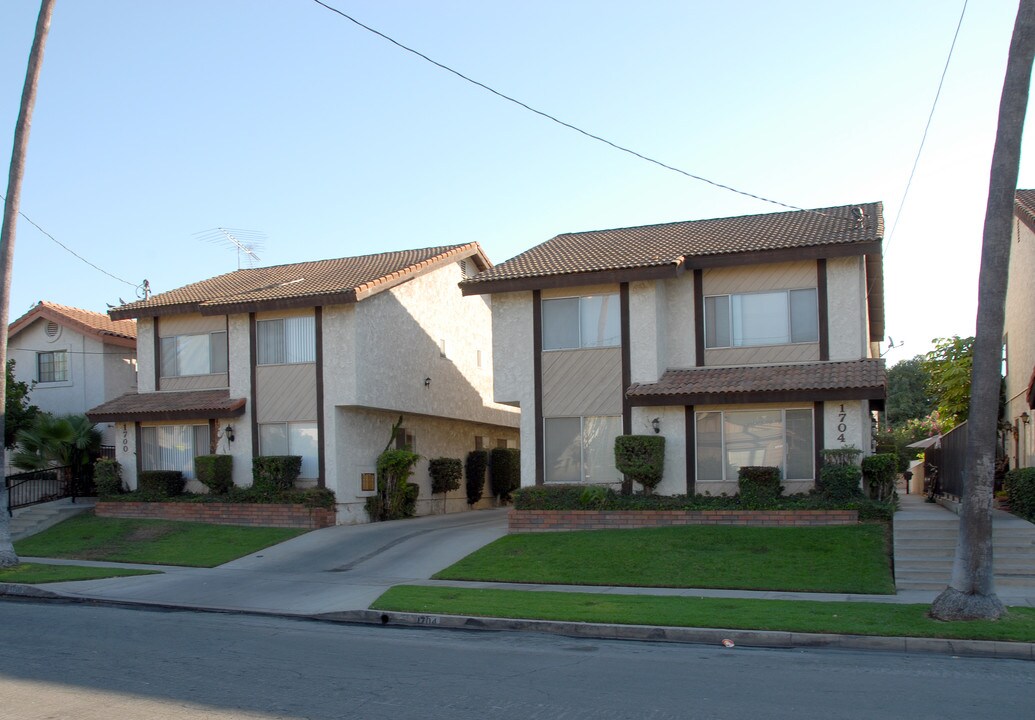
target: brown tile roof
<point>1024,207</point>
<point>670,248</point>
<point>168,406</point>
<point>848,380</point>
<point>306,284</point>
<point>115,332</point>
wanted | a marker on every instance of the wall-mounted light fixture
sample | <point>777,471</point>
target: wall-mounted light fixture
<point>1025,418</point>
<point>427,382</point>
<point>656,424</point>
<point>229,432</point>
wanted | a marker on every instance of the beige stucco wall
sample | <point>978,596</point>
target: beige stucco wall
<point>846,308</point>
<point>514,369</point>
<point>1019,332</point>
<point>672,423</point>
<point>239,370</point>
<point>678,325</point>
<point>648,311</point>
<point>146,355</point>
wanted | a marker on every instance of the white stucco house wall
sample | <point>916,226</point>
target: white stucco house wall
<point>73,358</point>
<point>317,359</point>
<point>743,341</point>
<point>1019,334</point>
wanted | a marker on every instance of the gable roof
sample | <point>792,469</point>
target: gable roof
<point>306,284</point>
<point>98,325</point>
<point>1024,207</point>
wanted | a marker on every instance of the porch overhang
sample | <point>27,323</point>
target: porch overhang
<point>134,407</point>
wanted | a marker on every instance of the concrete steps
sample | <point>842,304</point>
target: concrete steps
<point>36,518</point>
<point>925,545</point>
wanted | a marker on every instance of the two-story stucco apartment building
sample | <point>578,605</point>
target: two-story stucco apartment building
<point>744,341</point>
<point>316,359</point>
<point>76,358</point>
<point>1019,334</point>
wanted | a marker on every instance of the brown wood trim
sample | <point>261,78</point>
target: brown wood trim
<point>213,436</point>
<point>699,317</point>
<point>824,311</point>
<point>537,372</point>
<point>818,427</point>
<point>597,277</point>
<point>689,418</point>
<point>140,451</point>
<point>875,295</point>
<point>158,353</point>
<point>759,396</point>
<point>252,389</point>
<point>321,438</point>
<point>623,304</point>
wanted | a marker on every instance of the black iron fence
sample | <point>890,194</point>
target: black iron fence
<point>944,465</point>
<point>40,486</point>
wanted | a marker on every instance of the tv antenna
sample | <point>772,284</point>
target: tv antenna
<point>245,242</point>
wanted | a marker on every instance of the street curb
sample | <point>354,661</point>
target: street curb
<point>599,631</point>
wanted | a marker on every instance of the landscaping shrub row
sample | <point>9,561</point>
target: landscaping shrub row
<point>310,497</point>
<point>589,497</point>
<point>1020,492</point>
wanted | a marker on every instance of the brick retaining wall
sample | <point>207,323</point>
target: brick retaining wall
<point>521,521</point>
<point>294,516</point>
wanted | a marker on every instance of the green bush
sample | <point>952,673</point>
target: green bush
<point>310,497</point>
<point>275,473</point>
<point>879,471</point>
<point>642,458</point>
<point>504,472</point>
<point>759,485</point>
<point>445,474</point>
<point>840,482</point>
<point>474,474</point>
<point>215,472</point>
<point>841,456</point>
<point>1020,492</point>
<point>107,478</point>
<point>160,483</point>
<point>396,498</point>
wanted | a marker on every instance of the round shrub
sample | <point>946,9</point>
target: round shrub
<point>160,484</point>
<point>274,473</point>
<point>215,472</point>
<point>107,478</point>
<point>759,485</point>
<point>840,482</point>
<point>642,458</point>
<point>445,474</point>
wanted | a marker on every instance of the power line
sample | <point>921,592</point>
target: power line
<point>550,117</point>
<point>73,252</point>
<point>923,139</point>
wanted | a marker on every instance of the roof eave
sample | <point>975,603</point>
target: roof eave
<point>595,277</point>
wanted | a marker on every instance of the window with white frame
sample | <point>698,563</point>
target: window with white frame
<point>581,449</point>
<point>52,366</point>
<point>763,318</point>
<point>173,447</point>
<point>730,439</point>
<point>591,321</point>
<point>286,341</point>
<point>294,438</point>
<point>200,354</point>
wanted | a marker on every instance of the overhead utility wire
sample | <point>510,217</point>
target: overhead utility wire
<point>616,146</point>
<point>923,139</point>
<point>132,285</point>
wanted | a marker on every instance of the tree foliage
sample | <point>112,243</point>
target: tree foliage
<point>909,396</point>
<point>949,366</point>
<point>51,441</point>
<point>19,413</point>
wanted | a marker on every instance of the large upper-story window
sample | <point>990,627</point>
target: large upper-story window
<point>52,366</point>
<point>201,354</point>
<point>763,318</point>
<point>581,322</point>
<point>286,341</point>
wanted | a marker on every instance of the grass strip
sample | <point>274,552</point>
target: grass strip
<point>37,573</point>
<point>849,559</point>
<point>846,618</point>
<point>156,542</point>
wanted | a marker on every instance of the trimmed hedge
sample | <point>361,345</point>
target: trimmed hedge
<point>107,478</point>
<point>758,485</point>
<point>275,473</point>
<point>215,472</point>
<point>310,497</point>
<point>840,483</point>
<point>445,474</point>
<point>474,474</point>
<point>504,472</point>
<point>879,471</point>
<point>1020,492</point>
<point>160,483</point>
<point>642,458</point>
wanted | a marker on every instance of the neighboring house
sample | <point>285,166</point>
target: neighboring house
<point>744,341</point>
<point>1019,333</point>
<point>316,359</point>
<point>77,358</point>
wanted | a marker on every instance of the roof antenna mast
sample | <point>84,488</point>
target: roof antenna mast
<point>245,242</point>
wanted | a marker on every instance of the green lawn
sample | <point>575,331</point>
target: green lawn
<point>33,573</point>
<point>851,558</point>
<point>158,542</point>
<point>851,618</point>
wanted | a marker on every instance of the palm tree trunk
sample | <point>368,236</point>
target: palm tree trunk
<point>971,594</point>
<point>8,557</point>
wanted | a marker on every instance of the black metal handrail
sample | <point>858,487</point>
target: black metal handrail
<point>40,486</point>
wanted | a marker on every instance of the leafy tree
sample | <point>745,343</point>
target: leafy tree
<point>908,395</point>
<point>19,414</point>
<point>949,366</point>
<point>50,441</point>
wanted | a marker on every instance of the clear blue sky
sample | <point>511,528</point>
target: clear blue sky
<point>157,120</point>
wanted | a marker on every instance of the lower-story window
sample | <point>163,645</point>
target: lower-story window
<point>295,438</point>
<point>730,439</point>
<point>173,447</point>
<point>581,449</point>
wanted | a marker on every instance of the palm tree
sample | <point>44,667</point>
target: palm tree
<point>8,557</point>
<point>70,440</point>
<point>971,593</point>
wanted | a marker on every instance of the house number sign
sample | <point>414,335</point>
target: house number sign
<point>125,438</point>
<point>842,426</point>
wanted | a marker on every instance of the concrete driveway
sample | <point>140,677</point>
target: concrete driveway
<point>335,569</point>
